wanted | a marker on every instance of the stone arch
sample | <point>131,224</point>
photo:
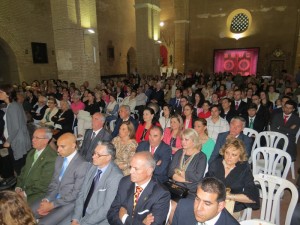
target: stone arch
<point>9,72</point>
<point>131,60</point>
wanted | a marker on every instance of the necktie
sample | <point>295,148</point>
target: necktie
<point>91,191</point>
<point>63,169</point>
<point>137,193</point>
<point>285,119</point>
<point>152,150</point>
<point>251,123</point>
<point>236,105</point>
<point>93,135</point>
<point>177,102</point>
<point>35,156</point>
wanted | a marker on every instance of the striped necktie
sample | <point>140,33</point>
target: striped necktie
<point>137,193</point>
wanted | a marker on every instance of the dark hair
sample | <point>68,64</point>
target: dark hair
<point>10,91</point>
<point>213,185</point>
<point>170,109</point>
<point>291,102</point>
<point>252,106</point>
<point>110,149</point>
<point>202,99</point>
<point>157,128</point>
<point>216,106</point>
<point>154,120</point>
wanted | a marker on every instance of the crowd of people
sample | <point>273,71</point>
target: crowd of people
<point>102,155</point>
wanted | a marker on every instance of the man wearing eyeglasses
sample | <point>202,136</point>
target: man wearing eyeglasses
<point>99,188</point>
<point>36,175</point>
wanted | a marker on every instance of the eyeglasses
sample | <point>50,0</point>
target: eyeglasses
<point>99,155</point>
<point>38,138</point>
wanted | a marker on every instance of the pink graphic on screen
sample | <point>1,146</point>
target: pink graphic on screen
<point>236,61</point>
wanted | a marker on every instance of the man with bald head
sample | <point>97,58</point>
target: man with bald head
<point>69,173</point>
<point>140,198</point>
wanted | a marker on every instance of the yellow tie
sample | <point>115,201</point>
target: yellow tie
<point>137,193</point>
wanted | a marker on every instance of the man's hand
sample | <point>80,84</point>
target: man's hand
<point>122,212</point>
<point>149,219</point>
<point>158,163</point>
<point>75,222</point>
<point>293,126</point>
<point>6,145</point>
<point>45,208</point>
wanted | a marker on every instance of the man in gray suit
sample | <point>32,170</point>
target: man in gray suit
<point>69,173</point>
<point>93,136</point>
<point>97,193</point>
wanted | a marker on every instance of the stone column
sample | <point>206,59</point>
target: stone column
<point>147,34</point>
<point>181,34</point>
<point>76,48</point>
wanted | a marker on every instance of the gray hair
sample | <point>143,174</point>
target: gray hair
<point>110,149</point>
<point>126,107</point>
<point>103,117</point>
<point>48,132</point>
<point>240,119</point>
<point>148,158</point>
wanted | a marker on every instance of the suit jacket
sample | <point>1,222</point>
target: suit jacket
<point>35,179</point>
<point>163,152</point>
<point>221,139</point>
<point>264,113</point>
<point>104,194</point>
<point>18,135</point>
<point>242,109</point>
<point>88,146</point>
<point>176,108</point>
<point>41,114</point>
<point>118,124</point>
<point>66,123</point>
<point>258,123</point>
<point>277,124</point>
<point>158,96</point>
<point>184,215</point>
<point>230,114</point>
<point>154,199</point>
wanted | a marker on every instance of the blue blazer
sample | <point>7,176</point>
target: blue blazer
<point>118,124</point>
<point>184,214</point>
<point>221,139</point>
<point>163,153</point>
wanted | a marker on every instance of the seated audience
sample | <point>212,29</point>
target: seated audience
<point>130,101</point>
<point>236,127</point>
<point>125,145</point>
<point>207,208</point>
<point>172,135</point>
<point>143,130</point>
<point>14,210</point>
<point>70,170</point>
<point>189,163</point>
<point>93,136</point>
<point>264,98</point>
<point>161,153</point>
<point>140,186</point>
<point>205,113</point>
<point>215,123</point>
<point>157,95</point>
<point>165,117</point>
<point>175,102</point>
<point>234,171</point>
<point>188,116</point>
<point>49,113</point>
<point>198,102</point>
<point>39,109</point>
<point>37,173</point>
<point>227,112</point>
<point>207,143</point>
<point>254,121</point>
<point>112,109</point>
<point>239,107</point>
<point>93,203</point>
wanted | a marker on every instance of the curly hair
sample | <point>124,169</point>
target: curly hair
<point>14,210</point>
<point>238,145</point>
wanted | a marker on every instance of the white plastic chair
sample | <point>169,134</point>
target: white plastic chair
<point>119,100</point>
<point>250,132</point>
<point>255,222</point>
<point>272,188</point>
<point>270,161</point>
<point>112,125</point>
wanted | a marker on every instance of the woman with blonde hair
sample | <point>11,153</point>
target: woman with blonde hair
<point>125,145</point>
<point>14,210</point>
<point>234,171</point>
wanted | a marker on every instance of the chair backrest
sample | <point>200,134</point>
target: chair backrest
<point>272,139</point>
<point>250,132</point>
<point>119,100</point>
<point>272,159</point>
<point>272,189</point>
<point>297,136</point>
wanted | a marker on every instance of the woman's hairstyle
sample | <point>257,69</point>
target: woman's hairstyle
<point>131,129</point>
<point>238,145</point>
<point>203,122</point>
<point>14,210</point>
<point>190,106</point>
<point>193,135</point>
<point>199,105</point>
<point>154,120</point>
<point>52,99</point>
<point>169,107</point>
<point>179,119</point>
<point>10,92</point>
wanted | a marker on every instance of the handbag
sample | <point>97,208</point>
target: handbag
<point>177,191</point>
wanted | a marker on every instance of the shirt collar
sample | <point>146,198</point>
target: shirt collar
<point>212,221</point>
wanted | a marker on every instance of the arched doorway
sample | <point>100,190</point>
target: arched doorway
<point>8,65</point>
<point>131,61</point>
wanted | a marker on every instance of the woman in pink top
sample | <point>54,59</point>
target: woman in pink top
<point>105,96</point>
<point>206,113</point>
<point>172,135</point>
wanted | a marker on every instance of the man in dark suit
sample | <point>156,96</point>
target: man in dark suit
<point>236,127</point>
<point>140,199</point>
<point>161,152</point>
<point>124,113</point>
<point>287,123</point>
<point>175,102</point>
<point>254,120</point>
<point>39,168</point>
<point>93,136</point>
<point>261,111</point>
<point>207,208</point>
<point>239,107</point>
<point>99,188</point>
<point>227,112</point>
<point>157,95</point>
<point>69,173</point>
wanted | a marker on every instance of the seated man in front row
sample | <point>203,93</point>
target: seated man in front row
<point>140,198</point>
<point>207,208</point>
